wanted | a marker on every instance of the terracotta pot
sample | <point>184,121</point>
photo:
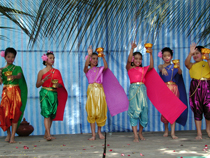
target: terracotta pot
<point>24,129</point>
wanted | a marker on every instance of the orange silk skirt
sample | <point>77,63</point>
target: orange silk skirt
<point>10,106</point>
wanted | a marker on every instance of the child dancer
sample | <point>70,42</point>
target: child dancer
<point>168,74</point>
<point>96,105</point>
<point>53,95</point>
<point>199,87</point>
<point>138,108</point>
<point>14,95</point>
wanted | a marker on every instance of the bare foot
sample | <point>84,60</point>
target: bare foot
<point>165,134</point>
<point>199,137</point>
<point>101,136</point>
<point>136,139</point>
<point>12,140</point>
<point>174,137</point>
<point>52,137</point>
<point>141,137</point>
<point>48,138</point>
<point>45,137</point>
<point>7,138</point>
<point>92,138</point>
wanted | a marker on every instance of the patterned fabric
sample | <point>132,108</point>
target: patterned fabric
<point>200,100</point>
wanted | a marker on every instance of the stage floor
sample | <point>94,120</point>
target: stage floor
<point>117,145</point>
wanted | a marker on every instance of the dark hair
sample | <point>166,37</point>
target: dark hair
<point>135,53</point>
<point>167,49</point>
<point>48,53</point>
<point>199,48</point>
<point>94,53</point>
<point>10,50</point>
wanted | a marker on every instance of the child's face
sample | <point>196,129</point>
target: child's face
<point>94,60</point>
<point>137,60</point>
<point>51,59</point>
<point>197,56</point>
<point>10,58</point>
<point>167,57</point>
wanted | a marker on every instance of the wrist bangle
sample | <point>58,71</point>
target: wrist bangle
<point>42,81</point>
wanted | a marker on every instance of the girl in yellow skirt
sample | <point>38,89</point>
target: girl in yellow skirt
<point>96,106</point>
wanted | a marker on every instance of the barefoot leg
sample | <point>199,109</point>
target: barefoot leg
<point>140,132</point>
<point>173,136</point>
<point>93,129</point>
<point>198,127</point>
<point>99,133</point>
<point>14,128</point>
<point>51,120</point>
<point>45,134</point>
<point>8,135</point>
<point>47,128</point>
<point>208,127</point>
<point>136,138</point>
<point>166,130</point>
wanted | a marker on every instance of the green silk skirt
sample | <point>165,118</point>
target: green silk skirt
<point>48,103</point>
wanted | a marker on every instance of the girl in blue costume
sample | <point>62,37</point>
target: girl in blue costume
<point>170,76</point>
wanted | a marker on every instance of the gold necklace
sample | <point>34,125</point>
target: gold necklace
<point>94,70</point>
<point>137,68</point>
<point>169,67</point>
<point>10,68</point>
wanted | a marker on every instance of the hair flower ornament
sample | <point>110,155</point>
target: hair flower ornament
<point>160,55</point>
<point>132,58</point>
<point>49,51</point>
<point>44,57</point>
<point>2,53</point>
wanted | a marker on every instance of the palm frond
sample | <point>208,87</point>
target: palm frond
<point>74,20</point>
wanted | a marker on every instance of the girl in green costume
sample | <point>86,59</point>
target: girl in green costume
<point>14,95</point>
<point>49,92</point>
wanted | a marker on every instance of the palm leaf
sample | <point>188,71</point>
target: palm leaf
<point>74,20</point>
<point>15,16</point>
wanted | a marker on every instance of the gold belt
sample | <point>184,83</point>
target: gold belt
<point>170,82</point>
<point>138,83</point>
<point>203,79</point>
<point>11,85</point>
<point>50,89</point>
<point>96,84</point>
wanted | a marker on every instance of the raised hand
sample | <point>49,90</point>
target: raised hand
<point>102,54</point>
<point>207,56</point>
<point>90,50</point>
<point>150,50</point>
<point>133,45</point>
<point>192,48</point>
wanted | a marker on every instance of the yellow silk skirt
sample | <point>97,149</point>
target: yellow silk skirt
<point>10,106</point>
<point>96,106</point>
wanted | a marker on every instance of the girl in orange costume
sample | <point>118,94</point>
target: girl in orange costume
<point>14,95</point>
